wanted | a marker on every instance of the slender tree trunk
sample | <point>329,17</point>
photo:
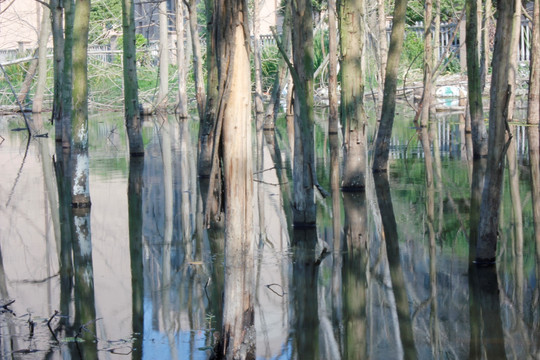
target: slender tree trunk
<point>182,105</point>
<point>57,20</point>
<point>500,96</point>
<point>200,93</point>
<point>304,209</point>
<point>428,65</point>
<point>131,93</point>
<point>234,115</point>
<point>163,90</point>
<point>44,31</point>
<point>27,83</point>
<point>333,113</point>
<point>272,109</point>
<point>353,116</point>
<point>382,143</point>
<point>485,51</point>
<point>383,48</point>
<point>67,82</point>
<point>478,127</point>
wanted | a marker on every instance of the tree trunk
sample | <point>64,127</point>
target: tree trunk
<point>272,109</point>
<point>353,116</point>
<point>304,209</point>
<point>208,120</point>
<point>485,51</point>
<point>131,96</point>
<point>428,65</point>
<point>44,31</point>
<point>80,75</point>
<point>333,112</point>
<point>234,114</point>
<point>182,105</point>
<point>382,143</point>
<point>163,90</point>
<point>67,82</point>
<point>500,95</point>
<point>57,14</point>
<point>383,48</point>
<point>200,93</point>
<point>474,81</point>
<point>27,83</point>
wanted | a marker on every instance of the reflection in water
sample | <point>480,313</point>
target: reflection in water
<point>396,284</point>
<point>391,240</point>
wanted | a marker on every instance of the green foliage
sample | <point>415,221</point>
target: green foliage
<point>105,15</point>
<point>143,58</point>
<point>413,48</point>
<point>270,58</point>
<point>450,10</point>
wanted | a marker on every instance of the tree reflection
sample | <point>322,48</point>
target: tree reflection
<point>391,240</point>
<point>135,184</point>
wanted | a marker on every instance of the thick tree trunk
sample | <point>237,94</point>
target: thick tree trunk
<point>234,114</point>
<point>207,136</point>
<point>500,96</point>
<point>163,90</point>
<point>382,143</point>
<point>182,105</point>
<point>80,75</point>
<point>304,209</point>
<point>131,96</point>
<point>44,32</point>
<point>353,116</point>
<point>478,127</point>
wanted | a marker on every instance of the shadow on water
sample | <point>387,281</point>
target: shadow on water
<point>140,275</point>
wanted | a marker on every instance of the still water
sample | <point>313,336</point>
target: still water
<point>147,274</point>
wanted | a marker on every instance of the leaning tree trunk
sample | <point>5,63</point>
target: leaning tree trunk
<point>182,105</point>
<point>500,95</point>
<point>474,80</point>
<point>163,89</point>
<point>304,209</point>
<point>234,115</point>
<point>37,105</point>
<point>131,97</point>
<point>353,116</point>
<point>382,143</point>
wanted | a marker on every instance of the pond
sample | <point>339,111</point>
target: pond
<point>139,274</point>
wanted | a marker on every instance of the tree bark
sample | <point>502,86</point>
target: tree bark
<point>500,95</point>
<point>428,65</point>
<point>382,143</point>
<point>383,48</point>
<point>200,93</point>
<point>67,81</point>
<point>333,112</point>
<point>474,81</point>
<point>234,114</point>
<point>131,97</point>
<point>353,116</point>
<point>80,75</point>
<point>304,209</point>
<point>163,90</point>
<point>57,13</point>
<point>44,32</point>
<point>182,105</point>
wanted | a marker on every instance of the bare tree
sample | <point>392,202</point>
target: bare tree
<point>182,104</point>
<point>44,32</point>
<point>163,90</point>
